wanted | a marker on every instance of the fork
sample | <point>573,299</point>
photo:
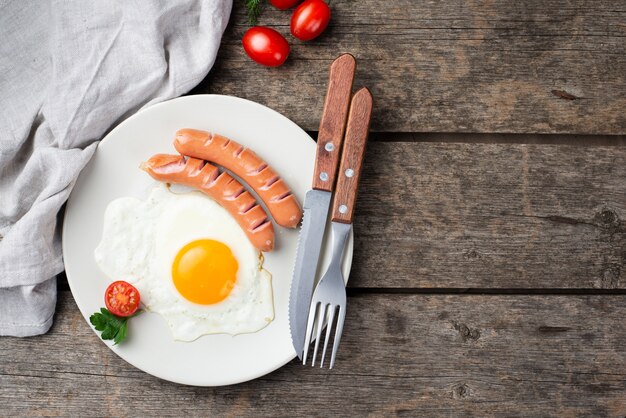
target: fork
<point>329,297</point>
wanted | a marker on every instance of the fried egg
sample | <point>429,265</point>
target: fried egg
<point>190,261</point>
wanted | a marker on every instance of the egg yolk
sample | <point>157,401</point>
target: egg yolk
<point>204,271</point>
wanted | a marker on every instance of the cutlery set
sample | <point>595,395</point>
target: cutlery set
<point>340,149</point>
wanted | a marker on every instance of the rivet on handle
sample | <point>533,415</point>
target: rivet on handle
<point>349,172</point>
<point>324,176</point>
<point>329,146</point>
<point>343,209</point>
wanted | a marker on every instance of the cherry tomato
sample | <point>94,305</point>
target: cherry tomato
<point>310,19</point>
<point>284,4</point>
<point>265,46</point>
<point>121,298</point>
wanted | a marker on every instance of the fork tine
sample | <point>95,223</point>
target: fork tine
<point>338,330</point>
<point>329,326</point>
<point>309,331</point>
<point>321,314</point>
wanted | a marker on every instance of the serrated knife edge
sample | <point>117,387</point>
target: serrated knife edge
<point>316,207</point>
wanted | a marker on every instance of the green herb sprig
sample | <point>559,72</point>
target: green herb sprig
<point>254,10</point>
<point>113,327</point>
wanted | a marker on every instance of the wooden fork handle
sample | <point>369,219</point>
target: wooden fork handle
<point>352,156</point>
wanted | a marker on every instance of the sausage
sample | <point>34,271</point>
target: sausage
<point>223,188</point>
<point>281,203</point>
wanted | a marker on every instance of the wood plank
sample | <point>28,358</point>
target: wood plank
<point>556,66</point>
<point>490,216</point>
<point>435,215</point>
<point>494,138</point>
<point>410,355</point>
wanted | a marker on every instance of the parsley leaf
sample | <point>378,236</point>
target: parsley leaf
<point>98,320</point>
<point>113,327</point>
<point>121,333</point>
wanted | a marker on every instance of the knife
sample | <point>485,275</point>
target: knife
<point>317,200</point>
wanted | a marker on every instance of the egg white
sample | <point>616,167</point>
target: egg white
<point>140,240</point>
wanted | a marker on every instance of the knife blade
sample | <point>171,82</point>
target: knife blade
<point>317,200</point>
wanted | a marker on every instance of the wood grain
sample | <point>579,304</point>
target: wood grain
<point>352,156</point>
<point>401,355</point>
<point>446,215</point>
<point>333,122</point>
<point>453,66</point>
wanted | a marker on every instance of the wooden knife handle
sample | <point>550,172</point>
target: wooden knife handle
<point>333,123</point>
<point>352,157</point>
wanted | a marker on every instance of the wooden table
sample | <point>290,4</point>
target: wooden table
<point>489,273</point>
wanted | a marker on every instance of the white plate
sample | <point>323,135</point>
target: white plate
<point>212,360</point>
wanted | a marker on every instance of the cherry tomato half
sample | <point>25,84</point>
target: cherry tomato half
<point>265,46</point>
<point>310,19</point>
<point>284,4</point>
<point>121,298</point>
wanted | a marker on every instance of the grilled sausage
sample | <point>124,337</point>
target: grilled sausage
<point>223,188</point>
<point>281,203</point>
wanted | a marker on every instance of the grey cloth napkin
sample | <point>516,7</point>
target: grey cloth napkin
<point>69,71</point>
